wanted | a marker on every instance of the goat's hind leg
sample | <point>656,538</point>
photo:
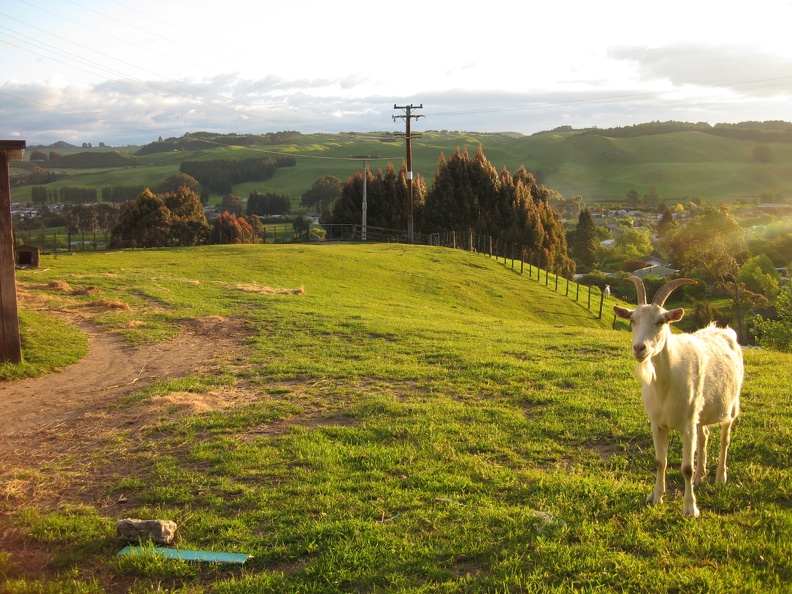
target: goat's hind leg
<point>660,436</point>
<point>725,440</point>
<point>701,454</point>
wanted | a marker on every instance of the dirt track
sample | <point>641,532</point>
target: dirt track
<point>33,411</point>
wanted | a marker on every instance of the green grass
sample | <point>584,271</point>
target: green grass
<point>682,166</point>
<point>419,420</point>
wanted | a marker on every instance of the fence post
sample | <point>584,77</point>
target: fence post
<point>522,263</point>
<point>602,301</point>
<point>589,297</point>
<point>567,288</point>
<point>577,292</point>
<point>547,279</point>
<point>490,246</point>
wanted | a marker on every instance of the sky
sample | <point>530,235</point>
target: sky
<point>125,72</point>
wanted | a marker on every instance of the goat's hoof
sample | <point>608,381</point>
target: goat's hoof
<point>692,512</point>
<point>652,500</point>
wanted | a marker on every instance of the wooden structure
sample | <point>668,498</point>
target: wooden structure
<point>10,346</point>
<point>27,255</point>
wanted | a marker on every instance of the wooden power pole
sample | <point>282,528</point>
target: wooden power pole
<point>408,115</point>
<point>10,346</point>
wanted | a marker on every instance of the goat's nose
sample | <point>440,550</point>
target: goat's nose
<point>639,350</point>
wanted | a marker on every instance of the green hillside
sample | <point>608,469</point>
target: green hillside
<point>682,165</point>
<point>414,419</point>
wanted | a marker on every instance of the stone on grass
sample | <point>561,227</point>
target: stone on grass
<point>157,531</point>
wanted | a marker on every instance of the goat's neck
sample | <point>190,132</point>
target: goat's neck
<point>659,364</point>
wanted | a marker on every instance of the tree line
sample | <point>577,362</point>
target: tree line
<point>220,175</point>
<point>467,194</point>
<point>197,141</point>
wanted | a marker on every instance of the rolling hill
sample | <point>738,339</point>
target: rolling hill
<point>682,165</point>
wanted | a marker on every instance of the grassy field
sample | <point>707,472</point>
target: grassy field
<point>682,166</point>
<point>415,420</point>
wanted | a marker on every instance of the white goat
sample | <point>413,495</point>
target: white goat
<point>688,381</point>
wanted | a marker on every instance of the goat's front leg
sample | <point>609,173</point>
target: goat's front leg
<point>660,435</point>
<point>688,447</point>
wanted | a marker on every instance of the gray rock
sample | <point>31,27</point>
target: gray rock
<point>158,531</point>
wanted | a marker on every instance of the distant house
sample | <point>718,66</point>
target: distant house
<point>661,271</point>
<point>27,255</point>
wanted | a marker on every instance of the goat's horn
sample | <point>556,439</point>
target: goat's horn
<point>664,291</point>
<point>639,286</point>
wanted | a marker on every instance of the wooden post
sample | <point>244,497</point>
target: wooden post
<point>10,345</point>
<point>602,300</point>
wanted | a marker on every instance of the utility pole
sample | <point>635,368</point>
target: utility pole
<point>365,203</point>
<point>408,115</point>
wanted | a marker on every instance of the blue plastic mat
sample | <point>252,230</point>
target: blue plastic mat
<point>188,555</point>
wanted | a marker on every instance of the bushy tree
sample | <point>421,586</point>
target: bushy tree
<point>189,225</point>
<point>231,203</point>
<point>760,276</point>
<point>386,199</point>
<point>777,334</point>
<point>632,243</point>
<point>229,228</point>
<point>634,199</point>
<point>180,180</point>
<point>155,220</point>
<point>322,193</point>
<point>259,230</point>
<point>712,245</point>
<point>143,222</point>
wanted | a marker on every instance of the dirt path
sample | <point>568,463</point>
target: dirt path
<point>33,410</point>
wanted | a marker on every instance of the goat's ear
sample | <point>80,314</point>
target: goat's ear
<point>674,315</point>
<point>622,312</point>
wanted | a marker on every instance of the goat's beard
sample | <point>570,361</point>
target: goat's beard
<point>645,371</point>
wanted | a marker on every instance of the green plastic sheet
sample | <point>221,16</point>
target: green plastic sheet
<point>187,555</point>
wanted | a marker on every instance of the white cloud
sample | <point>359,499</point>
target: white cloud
<point>128,71</point>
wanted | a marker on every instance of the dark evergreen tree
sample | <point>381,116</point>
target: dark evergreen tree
<point>585,243</point>
<point>666,223</point>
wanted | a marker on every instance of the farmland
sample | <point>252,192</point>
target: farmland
<point>680,165</point>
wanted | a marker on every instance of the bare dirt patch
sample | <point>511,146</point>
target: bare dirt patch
<point>35,410</point>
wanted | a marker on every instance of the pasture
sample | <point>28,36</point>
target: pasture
<point>394,418</point>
